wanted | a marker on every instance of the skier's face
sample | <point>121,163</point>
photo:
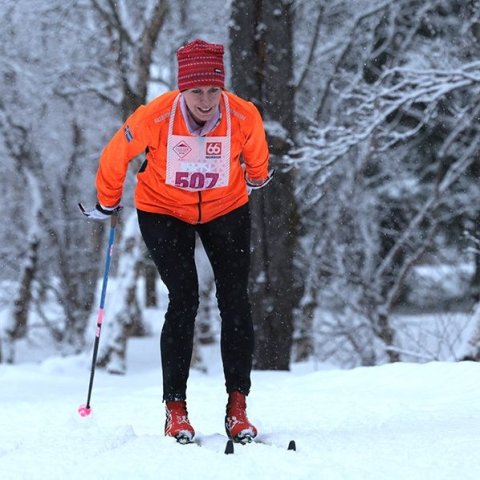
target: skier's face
<point>202,102</point>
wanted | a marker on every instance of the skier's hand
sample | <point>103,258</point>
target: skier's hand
<point>256,184</point>
<point>100,212</point>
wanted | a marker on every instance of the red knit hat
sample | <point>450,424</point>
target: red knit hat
<point>200,64</point>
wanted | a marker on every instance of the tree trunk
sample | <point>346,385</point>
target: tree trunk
<point>387,335</point>
<point>475,282</point>
<point>151,275</point>
<point>303,343</point>
<point>208,314</point>
<point>261,52</point>
<point>17,325</point>
<point>474,350</point>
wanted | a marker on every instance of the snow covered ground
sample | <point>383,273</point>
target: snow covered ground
<point>403,421</point>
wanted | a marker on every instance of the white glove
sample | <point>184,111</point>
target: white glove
<point>100,212</point>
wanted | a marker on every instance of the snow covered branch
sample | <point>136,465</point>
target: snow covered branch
<point>370,108</point>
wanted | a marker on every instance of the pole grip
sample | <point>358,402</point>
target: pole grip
<point>114,219</point>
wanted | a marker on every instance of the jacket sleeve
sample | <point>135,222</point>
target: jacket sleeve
<point>128,142</point>
<point>255,150</point>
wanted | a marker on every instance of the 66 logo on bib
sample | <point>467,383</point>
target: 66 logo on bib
<point>213,149</point>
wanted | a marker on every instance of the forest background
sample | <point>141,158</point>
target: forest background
<point>366,245</point>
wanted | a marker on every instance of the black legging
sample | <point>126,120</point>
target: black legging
<point>171,243</point>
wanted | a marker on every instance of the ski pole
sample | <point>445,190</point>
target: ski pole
<point>84,409</point>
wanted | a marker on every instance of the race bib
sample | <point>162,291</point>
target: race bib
<point>197,163</point>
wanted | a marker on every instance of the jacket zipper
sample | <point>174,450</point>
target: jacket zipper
<point>199,207</point>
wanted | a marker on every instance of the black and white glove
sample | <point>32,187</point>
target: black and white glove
<point>100,212</point>
<point>256,184</point>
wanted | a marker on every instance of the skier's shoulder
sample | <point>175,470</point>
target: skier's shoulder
<point>245,112</point>
<point>157,110</point>
<point>242,109</point>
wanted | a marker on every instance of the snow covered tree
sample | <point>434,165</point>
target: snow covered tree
<point>132,34</point>
<point>262,60</point>
<point>44,141</point>
<point>20,149</point>
<point>385,162</point>
<point>371,109</point>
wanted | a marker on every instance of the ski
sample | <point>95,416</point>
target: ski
<point>230,444</point>
<point>230,449</point>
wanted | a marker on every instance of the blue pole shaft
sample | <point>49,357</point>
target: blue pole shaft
<point>108,259</point>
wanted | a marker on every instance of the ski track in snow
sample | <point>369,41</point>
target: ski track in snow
<point>402,421</point>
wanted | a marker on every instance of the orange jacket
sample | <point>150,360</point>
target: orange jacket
<point>147,130</point>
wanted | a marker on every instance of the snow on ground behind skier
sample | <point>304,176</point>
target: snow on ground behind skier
<point>402,421</point>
